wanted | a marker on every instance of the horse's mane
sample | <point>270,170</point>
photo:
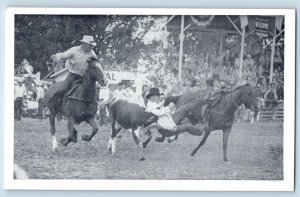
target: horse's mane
<point>237,88</point>
<point>93,61</point>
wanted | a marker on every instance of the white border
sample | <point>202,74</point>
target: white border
<point>167,185</point>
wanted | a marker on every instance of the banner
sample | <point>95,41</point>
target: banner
<point>262,25</point>
<point>202,20</point>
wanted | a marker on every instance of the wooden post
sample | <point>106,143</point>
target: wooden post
<point>242,54</point>
<point>272,56</point>
<point>221,42</point>
<point>181,47</point>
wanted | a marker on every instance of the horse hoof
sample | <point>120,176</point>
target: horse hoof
<point>74,139</point>
<point>158,139</point>
<point>192,154</point>
<point>144,145</point>
<point>55,150</point>
<point>142,159</point>
<point>86,138</point>
<point>115,155</point>
<point>170,140</point>
<point>64,141</point>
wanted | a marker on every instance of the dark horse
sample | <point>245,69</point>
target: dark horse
<point>217,116</point>
<point>78,104</point>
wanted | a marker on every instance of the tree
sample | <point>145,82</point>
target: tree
<point>119,38</point>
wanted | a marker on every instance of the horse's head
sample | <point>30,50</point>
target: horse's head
<point>249,99</point>
<point>97,72</point>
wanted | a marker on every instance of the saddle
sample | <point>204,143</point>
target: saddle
<point>77,92</point>
<point>73,87</point>
<point>213,100</point>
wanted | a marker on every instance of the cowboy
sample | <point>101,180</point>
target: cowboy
<point>77,59</point>
<point>156,107</point>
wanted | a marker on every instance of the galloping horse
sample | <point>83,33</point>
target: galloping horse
<point>78,104</point>
<point>219,116</point>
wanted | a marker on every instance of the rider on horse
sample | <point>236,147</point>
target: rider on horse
<point>77,59</point>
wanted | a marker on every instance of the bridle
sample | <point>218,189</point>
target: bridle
<point>233,101</point>
<point>220,114</point>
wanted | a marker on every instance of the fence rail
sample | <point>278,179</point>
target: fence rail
<point>267,114</point>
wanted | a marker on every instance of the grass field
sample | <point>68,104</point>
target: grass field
<point>255,152</point>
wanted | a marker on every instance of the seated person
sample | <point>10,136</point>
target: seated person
<point>271,99</point>
<point>271,96</point>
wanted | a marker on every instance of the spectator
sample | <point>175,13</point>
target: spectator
<point>40,94</point>
<point>262,59</point>
<point>227,59</point>
<point>259,91</point>
<point>28,68</point>
<point>278,59</point>
<point>237,63</point>
<point>20,93</point>
<point>104,95</point>
<point>224,74</point>
<point>248,62</point>
<point>271,99</point>
<point>193,86</point>
<point>120,92</point>
<point>210,84</point>
<point>217,85</point>
<point>233,76</point>
<point>280,91</point>
<point>172,83</point>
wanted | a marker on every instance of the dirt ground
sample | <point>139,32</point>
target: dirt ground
<point>255,152</point>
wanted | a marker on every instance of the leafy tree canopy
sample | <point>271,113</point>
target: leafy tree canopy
<point>120,38</point>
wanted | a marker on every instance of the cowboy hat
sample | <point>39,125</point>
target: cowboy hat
<point>153,92</point>
<point>89,40</point>
<point>249,55</point>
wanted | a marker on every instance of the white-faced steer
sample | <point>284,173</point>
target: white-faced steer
<point>128,115</point>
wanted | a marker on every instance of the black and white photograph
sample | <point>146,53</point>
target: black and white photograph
<point>205,96</point>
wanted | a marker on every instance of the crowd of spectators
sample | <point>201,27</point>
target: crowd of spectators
<point>221,67</point>
<point>218,67</point>
<point>29,96</point>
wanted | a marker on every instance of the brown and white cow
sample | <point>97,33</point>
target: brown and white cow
<point>128,115</point>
